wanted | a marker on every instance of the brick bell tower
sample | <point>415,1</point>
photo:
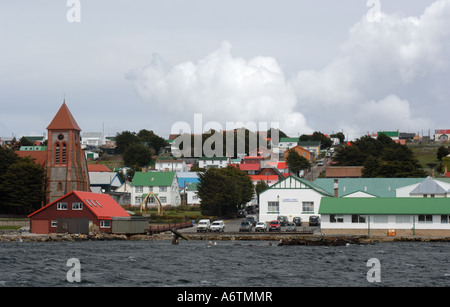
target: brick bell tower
<point>66,163</point>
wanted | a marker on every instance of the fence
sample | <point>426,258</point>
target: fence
<point>154,229</point>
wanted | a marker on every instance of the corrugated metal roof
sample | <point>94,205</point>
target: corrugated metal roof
<point>387,205</point>
<point>381,187</point>
<point>153,179</point>
<point>428,186</point>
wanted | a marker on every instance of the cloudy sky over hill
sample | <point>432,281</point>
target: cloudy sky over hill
<point>310,65</point>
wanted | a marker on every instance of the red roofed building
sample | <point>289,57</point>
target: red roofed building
<point>65,163</point>
<point>77,212</point>
<point>98,168</point>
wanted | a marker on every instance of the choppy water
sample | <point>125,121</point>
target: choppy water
<point>195,264</point>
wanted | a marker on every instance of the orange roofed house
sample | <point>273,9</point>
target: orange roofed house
<point>78,212</point>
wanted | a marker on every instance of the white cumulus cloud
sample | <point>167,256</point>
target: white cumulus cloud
<point>222,88</point>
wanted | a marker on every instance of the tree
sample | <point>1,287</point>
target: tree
<point>151,140</point>
<point>125,139</point>
<point>296,163</point>
<point>380,157</point>
<point>442,152</point>
<point>137,155</point>
<point>261,186</point>
<point>23,186</point>
<point>223,191</point>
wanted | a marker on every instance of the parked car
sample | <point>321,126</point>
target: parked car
<point>290,226</point>
<point>320,163</point>
<point>314,220</point>
<point>283,220</point>
<point>204,225</point>
<point>252,220</point>
<point>261,226</point>
<point>274,226</point>
<point>245,226</point>
<point>217,226</point>
<point>297,220</point>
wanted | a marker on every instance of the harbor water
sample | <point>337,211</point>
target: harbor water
<point>222,264</point>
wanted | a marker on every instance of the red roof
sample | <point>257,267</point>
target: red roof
<point>63,120</point>
<point>102,205</point>
<point>249,166</point>
<point>282,165</point>
<point>264,177</point>
<point>39,156</point>
<point>98,168</point>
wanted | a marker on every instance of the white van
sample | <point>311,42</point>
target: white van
<point>217,226</point>
<point>204,225</point>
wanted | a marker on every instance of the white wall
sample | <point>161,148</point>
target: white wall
<point>290,203</point>
<point>391,223</point>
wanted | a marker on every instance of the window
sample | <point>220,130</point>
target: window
<point>336,218</point>
<point>163,199</point>
<point>61,206</point>
<point>105,224</point>
<point>356,218</point>
<point>139,189</point>
<point>425,218</point>
<point>273,206</point>
<point>162,189</point>
<point>57,154</point>
<point>64,153</point>
<point>444,219</point>
<point>77,206</point>
<point>403,219</point>
<point>380,219</point>
<point>308,207</point>
<point>138,199</point>
<point>54,223</point>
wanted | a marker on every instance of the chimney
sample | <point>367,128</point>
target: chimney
<point>336,187</point>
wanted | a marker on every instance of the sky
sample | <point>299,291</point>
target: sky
<point>351,66</point>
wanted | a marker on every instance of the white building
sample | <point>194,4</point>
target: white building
<point>291,197</point>
<point>94,139</point>
<point>381,216</point>
<point>171,166</point>
<point>427,188</point>
<point>163,184</point>
<point>218,162</point>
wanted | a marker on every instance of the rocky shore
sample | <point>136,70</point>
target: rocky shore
<point>283,240</point>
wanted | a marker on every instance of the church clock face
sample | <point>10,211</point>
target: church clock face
<point>60,137</point>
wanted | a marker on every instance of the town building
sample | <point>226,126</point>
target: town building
<point>65,162</point>
<point>208,162</point>
<point>78,212</point>
<point>441,135</point>
<point>291,197</point>
<point>172,165</point>
<point>385,216</point>
<point>163,184</point>
<point>305,153</point>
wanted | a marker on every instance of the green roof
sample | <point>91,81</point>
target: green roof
<point>389,133</point>
<point>150,179</point>
<point>381,187</point>
<point>387,205</point>
<point>288,140</point>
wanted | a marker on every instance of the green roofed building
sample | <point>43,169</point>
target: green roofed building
<point>163,184</point>
<point>401,216</point>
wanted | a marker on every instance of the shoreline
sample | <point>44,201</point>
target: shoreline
<point>283,240</point>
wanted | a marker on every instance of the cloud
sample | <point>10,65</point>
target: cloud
<point>222,88</point>
<point>384,76</point>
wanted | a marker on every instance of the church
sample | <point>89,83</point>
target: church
<point>64,161</point>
